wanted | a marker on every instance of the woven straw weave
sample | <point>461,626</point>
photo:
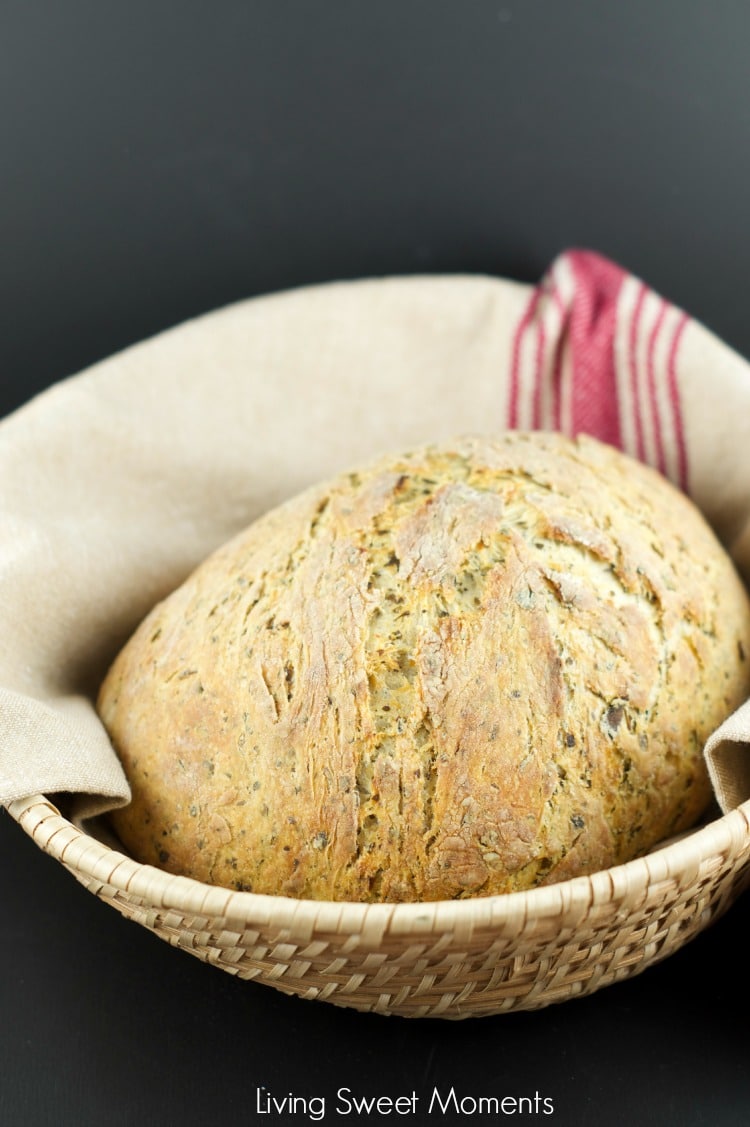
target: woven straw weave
<point>449,959</point>
<point>393,362</point>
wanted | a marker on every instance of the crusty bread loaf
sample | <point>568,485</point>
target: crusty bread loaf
<point>472,668</point>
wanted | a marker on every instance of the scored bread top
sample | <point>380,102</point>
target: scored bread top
<point>468,669</point>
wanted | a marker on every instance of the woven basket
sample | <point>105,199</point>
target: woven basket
<point>449,959</point>
<point>444,351</point>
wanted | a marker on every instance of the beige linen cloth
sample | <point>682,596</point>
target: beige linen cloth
<point>115,483</point>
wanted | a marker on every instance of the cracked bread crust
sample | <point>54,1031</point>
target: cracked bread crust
<point>471,669</point>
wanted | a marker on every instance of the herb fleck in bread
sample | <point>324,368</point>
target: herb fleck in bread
<point>473,668</point>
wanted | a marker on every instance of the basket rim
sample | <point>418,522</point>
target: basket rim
<point>626,884</point>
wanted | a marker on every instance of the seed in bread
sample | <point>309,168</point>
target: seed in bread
<point>469,669</point>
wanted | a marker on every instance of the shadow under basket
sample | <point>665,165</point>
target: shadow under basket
<point>450,959</point>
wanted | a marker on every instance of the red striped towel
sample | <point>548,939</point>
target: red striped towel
<point>127,475</point>
<point>596,352</point>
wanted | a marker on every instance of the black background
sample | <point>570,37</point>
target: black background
<point>161,159</point>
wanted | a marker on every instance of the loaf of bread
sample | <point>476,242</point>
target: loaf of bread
<point>473,668</point>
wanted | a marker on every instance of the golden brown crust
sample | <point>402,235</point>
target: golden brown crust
<point>465,670</point>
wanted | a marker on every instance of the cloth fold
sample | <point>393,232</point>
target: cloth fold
<point>115,483</point>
